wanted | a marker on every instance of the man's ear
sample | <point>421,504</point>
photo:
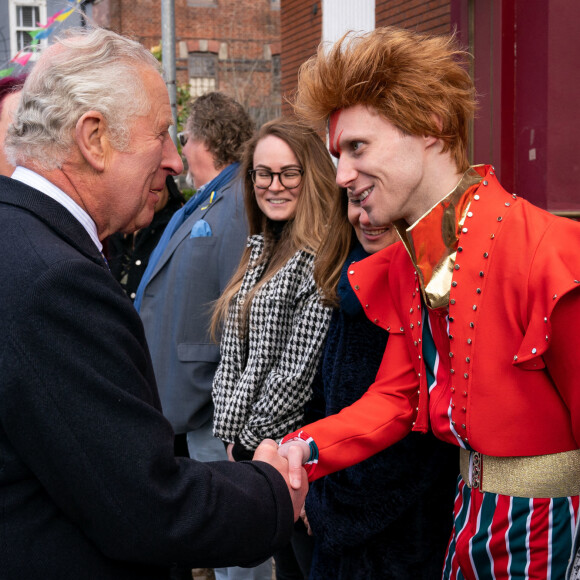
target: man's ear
<point>92,140</point>
<point>430,140</point>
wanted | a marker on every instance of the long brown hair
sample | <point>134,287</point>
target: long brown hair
<point>334,250</point>
<point>305,231</point>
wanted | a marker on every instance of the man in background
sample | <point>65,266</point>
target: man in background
<point>89,482</point>
<point>188,271</point>
<point>128,254</point>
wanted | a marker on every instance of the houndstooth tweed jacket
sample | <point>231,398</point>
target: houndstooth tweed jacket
<point>264,380</point>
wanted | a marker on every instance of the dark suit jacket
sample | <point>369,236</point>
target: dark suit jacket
<point>89,486</point>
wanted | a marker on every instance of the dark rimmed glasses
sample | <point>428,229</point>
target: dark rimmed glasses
<point>183,137</point>
<point>289,178</point>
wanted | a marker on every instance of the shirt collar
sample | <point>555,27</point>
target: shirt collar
<point>432,240</point>
<point>33,179</point>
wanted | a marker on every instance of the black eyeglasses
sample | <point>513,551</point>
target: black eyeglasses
<point>289,178</point>
<point>183,137</point>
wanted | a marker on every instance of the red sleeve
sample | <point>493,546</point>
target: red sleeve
<point>381,417</point>
<point>562,357</point>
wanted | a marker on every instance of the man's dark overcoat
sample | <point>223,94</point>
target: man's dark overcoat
<point>89,486</point>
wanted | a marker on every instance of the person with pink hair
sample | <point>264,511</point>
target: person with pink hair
<point>9,96</point>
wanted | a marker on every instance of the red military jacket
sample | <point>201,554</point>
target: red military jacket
<point>515,265</point>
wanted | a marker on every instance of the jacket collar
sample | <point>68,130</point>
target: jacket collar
<point>432,241</point>
<point>185,229</point>
<point>50,212</point>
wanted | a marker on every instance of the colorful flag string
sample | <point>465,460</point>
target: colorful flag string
<point>42,32</point>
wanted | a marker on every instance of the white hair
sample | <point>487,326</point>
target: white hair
<point>85,70</point>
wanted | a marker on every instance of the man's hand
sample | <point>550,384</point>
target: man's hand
<point>297,453</point>
<point>267,451</point>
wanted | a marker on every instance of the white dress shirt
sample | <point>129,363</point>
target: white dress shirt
<point>38,182</point>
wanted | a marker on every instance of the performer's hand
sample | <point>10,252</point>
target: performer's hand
<point>297,452</point>
<point>268,451</point>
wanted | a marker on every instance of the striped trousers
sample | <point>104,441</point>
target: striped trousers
<point>499,537</point>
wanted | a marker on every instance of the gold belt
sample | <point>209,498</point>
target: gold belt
<point>554,475</point>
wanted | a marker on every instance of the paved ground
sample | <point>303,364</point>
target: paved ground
<point>203,574</point>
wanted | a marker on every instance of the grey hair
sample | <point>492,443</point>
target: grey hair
<point>85,70</point>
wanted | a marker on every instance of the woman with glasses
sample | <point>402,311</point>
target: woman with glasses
<point>274,323</point>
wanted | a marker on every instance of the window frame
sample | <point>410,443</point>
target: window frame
<point>13,7</point>
<point>202,3</point>
<point>199,73</point>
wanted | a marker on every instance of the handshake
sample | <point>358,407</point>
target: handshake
<point>288,460</point>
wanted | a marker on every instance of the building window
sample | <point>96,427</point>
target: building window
<point>25,16</point>
<point>201,86</point>
<point>276,74</point>
<point>202,73</point>
<point>201,3</point>
<point>275,4</point>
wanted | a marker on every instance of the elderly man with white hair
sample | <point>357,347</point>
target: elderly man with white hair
<point>89,484</point>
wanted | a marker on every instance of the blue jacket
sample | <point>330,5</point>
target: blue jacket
<point>191,274</point>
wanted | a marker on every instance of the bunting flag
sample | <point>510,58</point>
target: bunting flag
<point>42,32</point>
<point>63,17</point>
<point>6,72</point>
<point>22,59</point>
<point>51,18</point>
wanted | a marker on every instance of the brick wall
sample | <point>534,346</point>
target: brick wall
<point>431,16</point>
<point>242,35</point>
<point>301,32</point>
<point>251,40</point>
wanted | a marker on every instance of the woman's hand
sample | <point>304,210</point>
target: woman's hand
<point>229,451</point>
